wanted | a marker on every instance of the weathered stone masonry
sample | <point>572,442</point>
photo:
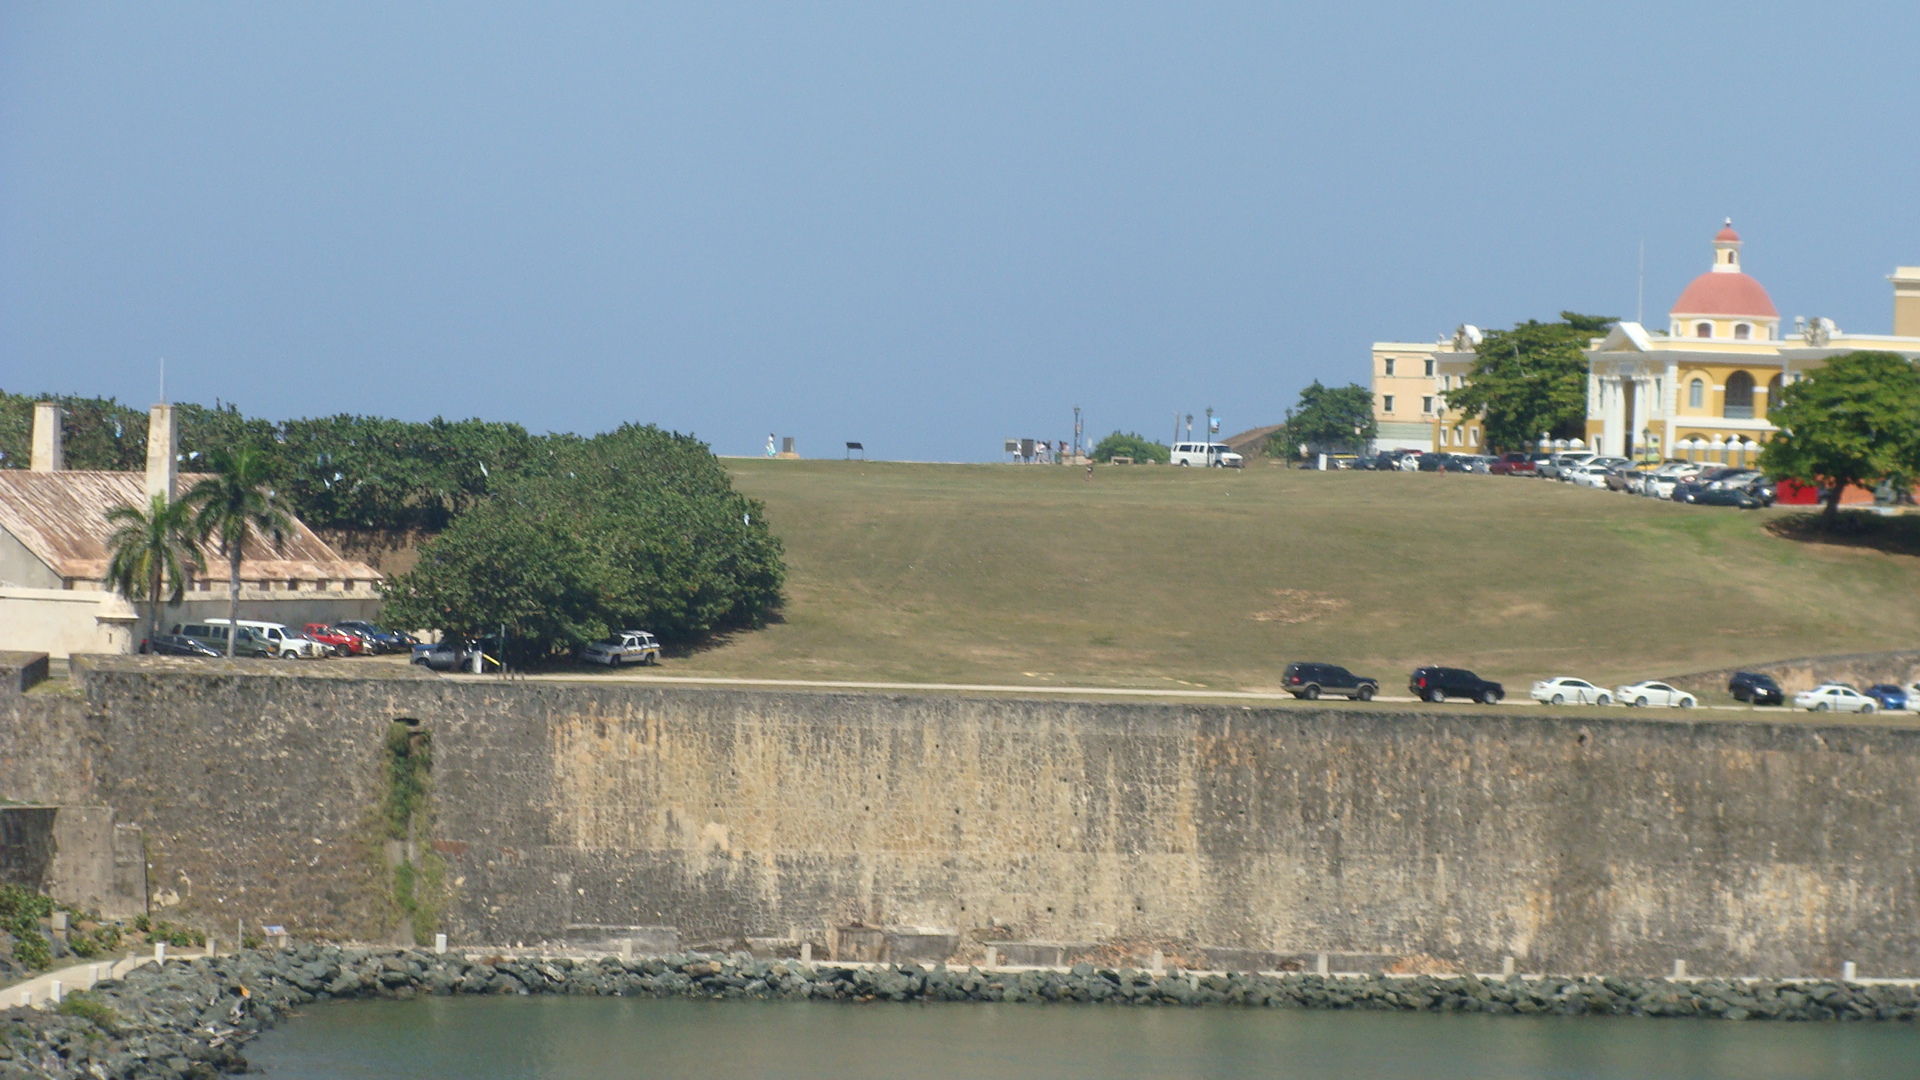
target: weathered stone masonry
<point>1576,843</point>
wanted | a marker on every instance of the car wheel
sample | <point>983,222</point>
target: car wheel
<point>1686,703</point>
<point>1641,702</point>
<point>1311,693</point>
<point>1820,707</point>
<point>1185,464</point>
<point>1559,699</point>
<point>1365,693</point>
<point>1603,700</point>
<point>1489,698</point>
<point>1867,709</point>
<point>1438,697</point>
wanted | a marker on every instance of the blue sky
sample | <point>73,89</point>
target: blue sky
<point>925,227</point>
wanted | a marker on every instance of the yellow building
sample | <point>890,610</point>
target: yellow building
<point>1410,380</point>
<point>1701,389</point>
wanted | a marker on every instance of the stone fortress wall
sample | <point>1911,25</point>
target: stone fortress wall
<point>1612,843</point>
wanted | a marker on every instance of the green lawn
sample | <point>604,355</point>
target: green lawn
<point>1186,578</point>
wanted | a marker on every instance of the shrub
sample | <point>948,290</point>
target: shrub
<point>1129,444</point>
<point>87,1007</point>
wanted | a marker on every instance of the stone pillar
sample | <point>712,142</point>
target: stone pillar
<point>48,453</point>
<point>162,441</point>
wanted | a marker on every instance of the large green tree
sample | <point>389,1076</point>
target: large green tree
<point>1531,380</point>
<point>1854,420</point>
<point>637,528</point>
<point>1326,417</point>
<point>152,549</point>
<point>236,500</point>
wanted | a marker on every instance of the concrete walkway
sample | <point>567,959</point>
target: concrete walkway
<point>45,991</point>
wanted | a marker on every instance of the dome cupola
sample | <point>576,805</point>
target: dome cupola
<point>1724,303</point>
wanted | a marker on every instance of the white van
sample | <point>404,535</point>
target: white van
<point>286,644</point>
<point>1212,454</point>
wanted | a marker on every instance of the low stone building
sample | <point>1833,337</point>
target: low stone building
<point>54,554</point>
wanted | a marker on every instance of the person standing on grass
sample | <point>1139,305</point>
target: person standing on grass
<point>769,444</point>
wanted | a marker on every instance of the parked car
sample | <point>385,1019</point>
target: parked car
<point>1755,688</point>
<point>246,643</point>
<point>1661,481</point>
<point>1889,697</point>
<point>626,647</point>
<point>1437,684</point>
<point>1654,693</point>
<point>382,639</point>
<point>1438,463</point>
<point>1477,463</point>
<point>455,654</point>
<point>341,642</point>
<point>281,641</point>
<point>1557,466</point>
<point>1216,455</point>
<point>1562,690</point>
<point>1512,465</point>
<point>1834,697</point>
<point>1311,680</point>
<point>1723,497</point>
<point>1588,475</point>
<point>177,645</point>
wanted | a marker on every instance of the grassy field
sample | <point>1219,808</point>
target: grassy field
<point>1189,578</point>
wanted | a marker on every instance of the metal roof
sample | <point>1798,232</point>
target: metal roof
<point>61,517</point>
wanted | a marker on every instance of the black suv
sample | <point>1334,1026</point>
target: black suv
<point>1309,681</point>
<point>1755,689</point>
<point>1440,683</point>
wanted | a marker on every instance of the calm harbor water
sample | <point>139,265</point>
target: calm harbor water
<point>543,1038</point>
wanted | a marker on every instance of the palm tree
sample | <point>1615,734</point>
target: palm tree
<point>151,546</point>
<point>234,501</point>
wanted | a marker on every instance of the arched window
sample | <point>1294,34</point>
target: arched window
<point>1738,404</point>
<point>1704,329</point>
<point>1773,392</point>
<point>1741,331</point>
<point>1696,394</point>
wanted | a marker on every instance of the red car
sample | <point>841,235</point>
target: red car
<point>344,644</point>
<point>1513,465</point>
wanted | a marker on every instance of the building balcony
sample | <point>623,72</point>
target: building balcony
<point>1737,412</point>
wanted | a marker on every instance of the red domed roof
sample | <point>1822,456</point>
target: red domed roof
<point>1726,234</point>
<point>1725,294</point>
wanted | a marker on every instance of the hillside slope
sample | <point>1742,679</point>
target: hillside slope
<point>1162,577</point>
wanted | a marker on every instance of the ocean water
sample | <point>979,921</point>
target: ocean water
<point>560,1038</point>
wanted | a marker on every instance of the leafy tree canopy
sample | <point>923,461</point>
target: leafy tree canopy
<point>1531,379</point>
<point>636,528</point>
<point>363,473</point>
<point>1125,444</point>
<point>1855,420</point>
<point>1325,419</point>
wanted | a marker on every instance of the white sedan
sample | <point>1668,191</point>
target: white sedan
<point>1834,697</point>
<point>1562,690</point>
<point>1654,693</point>
<point>1593,476</point>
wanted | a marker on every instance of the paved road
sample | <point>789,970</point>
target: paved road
<point>994,688</point>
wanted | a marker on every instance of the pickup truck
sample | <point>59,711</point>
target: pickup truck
<point>1513,465</point>
<point>626,647</point>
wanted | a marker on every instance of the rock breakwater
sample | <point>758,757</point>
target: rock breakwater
<point>190,1019</point>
